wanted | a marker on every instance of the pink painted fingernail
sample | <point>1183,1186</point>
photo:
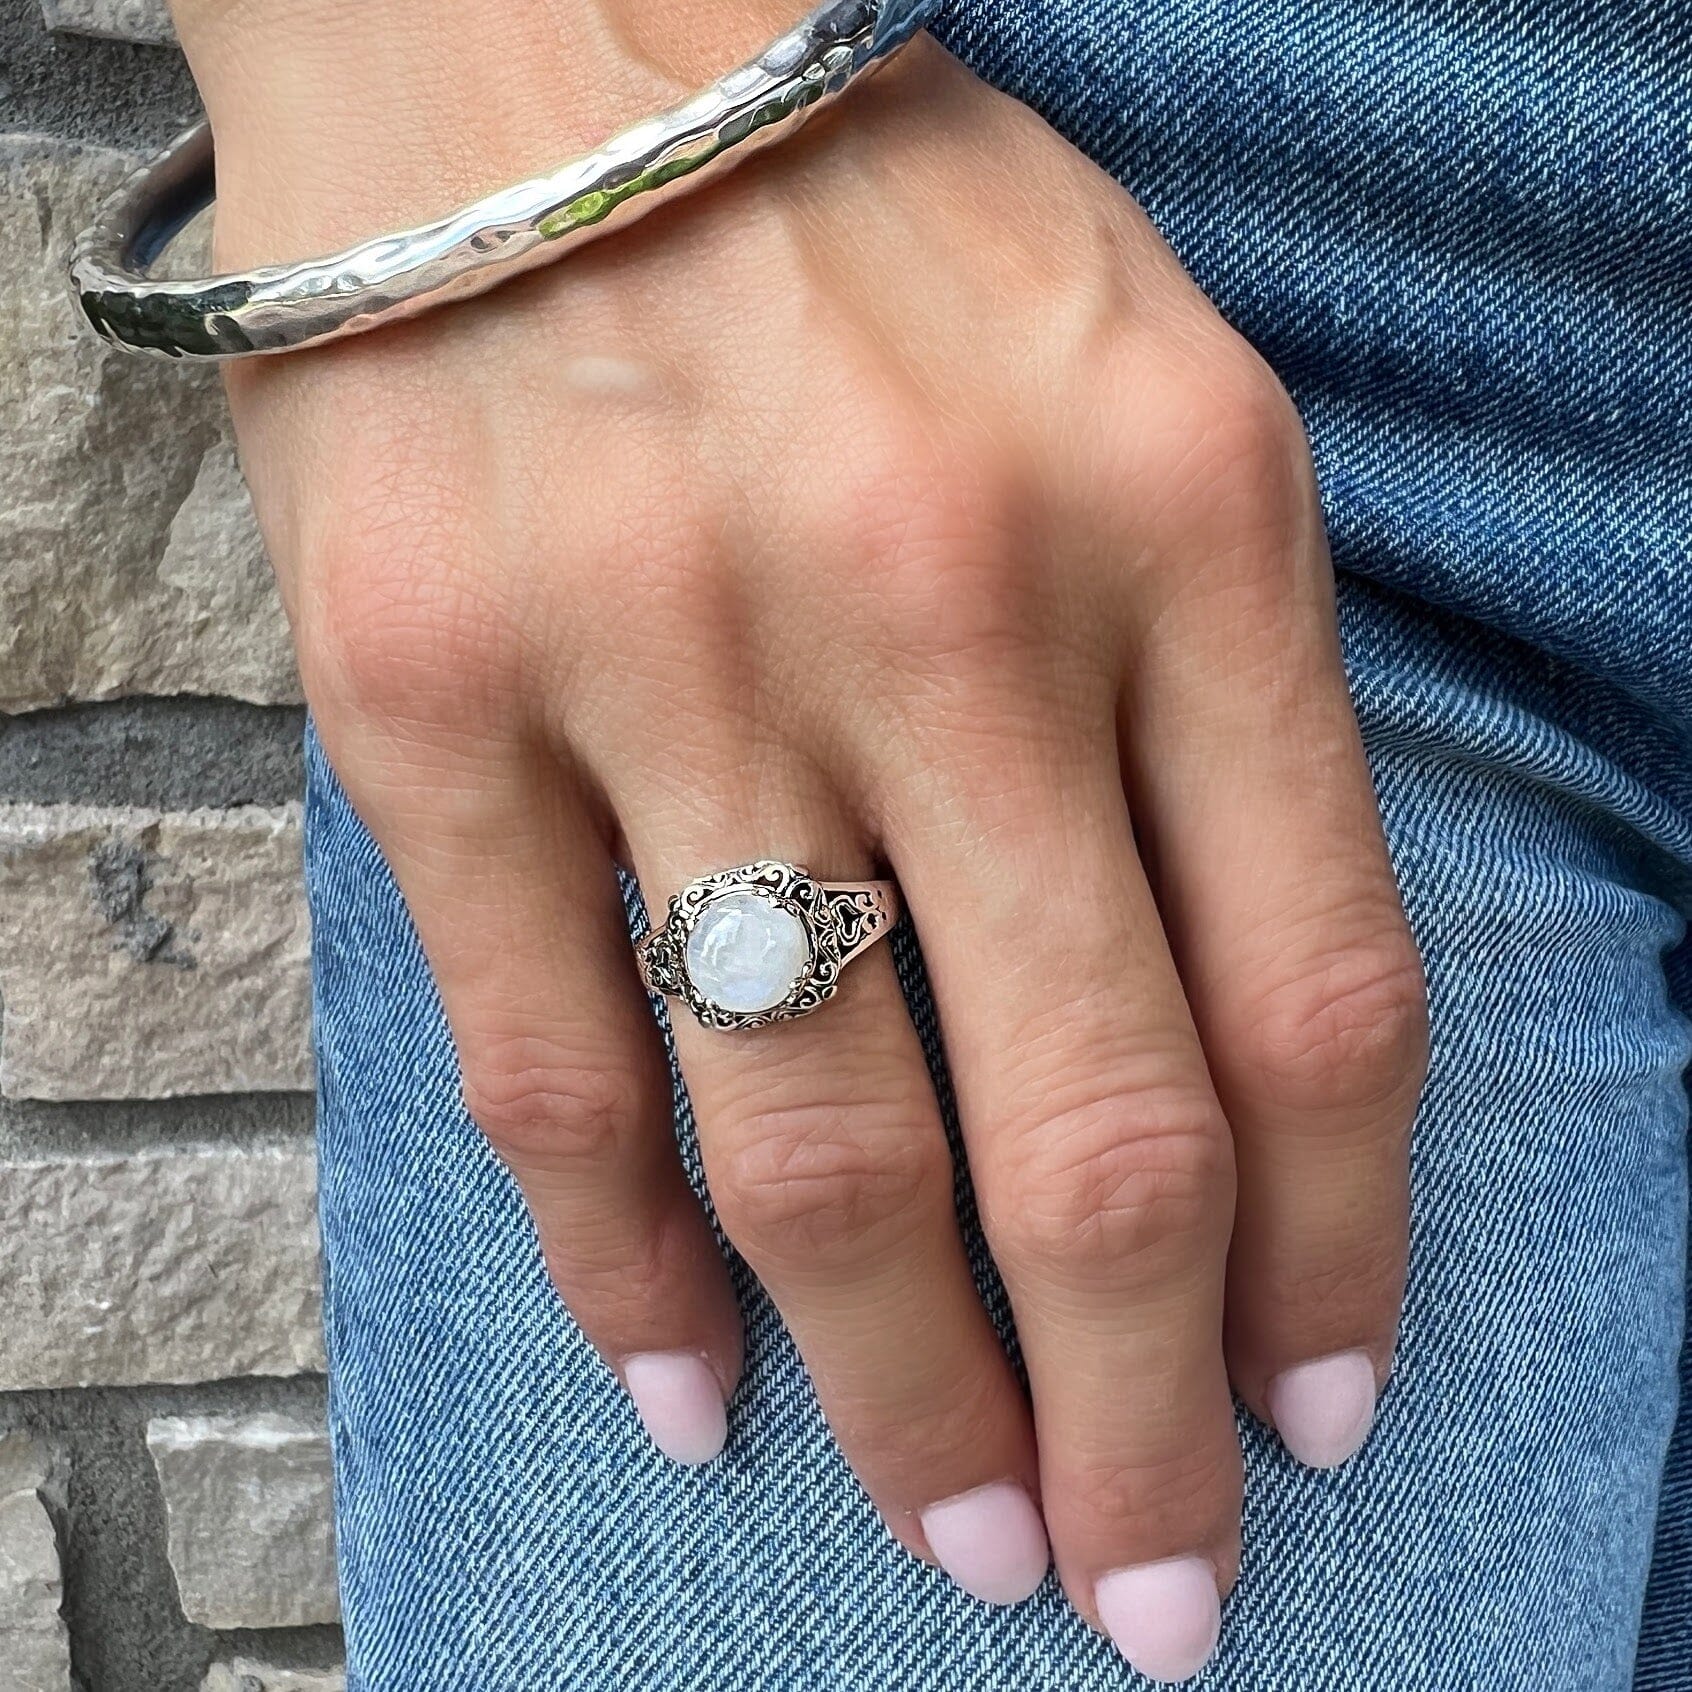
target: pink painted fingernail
<point>990,1541</point>
<point>1165,1618</point>
<point>681,1402</point>
<point>1323,1410</point>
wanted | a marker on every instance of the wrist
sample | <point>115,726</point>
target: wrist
<point>336,122</point>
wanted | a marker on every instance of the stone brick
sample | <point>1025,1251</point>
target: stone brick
<point>129,558</point>
<point>249,1500</point>
<point>34,1652</point>
<point>149,955</point>
<point>248,1674</point>
<point>168,1266</point>
<point>115,20</point>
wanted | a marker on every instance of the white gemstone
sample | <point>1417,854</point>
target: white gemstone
<point>747,953</point>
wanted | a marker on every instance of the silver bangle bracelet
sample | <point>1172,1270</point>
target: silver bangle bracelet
<point>282,308</point>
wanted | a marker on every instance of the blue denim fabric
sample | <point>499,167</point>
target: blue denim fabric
<point>1460,230</point>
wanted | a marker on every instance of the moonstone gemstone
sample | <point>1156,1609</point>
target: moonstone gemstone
<point>746,953</point>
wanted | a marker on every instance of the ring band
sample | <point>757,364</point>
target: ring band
<point>762,943</point>
<point>282,308</point>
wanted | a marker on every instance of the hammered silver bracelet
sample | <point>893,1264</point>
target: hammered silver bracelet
<point>282,308</point>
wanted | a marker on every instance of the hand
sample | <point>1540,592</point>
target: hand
<point>897,502</point>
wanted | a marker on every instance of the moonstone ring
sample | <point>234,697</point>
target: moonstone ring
<point>762,943</point>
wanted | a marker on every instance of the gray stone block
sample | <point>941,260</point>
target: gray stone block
<point>152,955</point>
<point>191,1264</point>
<point>250,1505</point>
<point>115,20</point>
<point>130,561</point>
<point>34,1652</point>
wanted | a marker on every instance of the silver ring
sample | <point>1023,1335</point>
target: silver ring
<point>762,943</point>
<point>281,308</point>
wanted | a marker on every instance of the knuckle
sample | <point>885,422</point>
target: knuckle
<point>1113,1187</point>
<point>1256,438</point>
<point>1193,1485</point>
<point>662,565</point>
<point>396,654</point>
<point>398,626</point>
<point>1345,1292</point>
<point>926,538</point>
<point>894,476</point>
<point>1244,477</point>
<point>540,1108</point>
<point>1349,1035</point>
<point>614,1279</point>
<point>663,561</point>
<point>802,1186</point>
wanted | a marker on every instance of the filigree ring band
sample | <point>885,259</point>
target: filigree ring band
<point>281,308</point>
<point>762,943</point>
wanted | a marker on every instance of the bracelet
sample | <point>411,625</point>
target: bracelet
<point>282,308</point>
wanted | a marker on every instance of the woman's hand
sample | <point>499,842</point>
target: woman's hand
<point>899,501</point>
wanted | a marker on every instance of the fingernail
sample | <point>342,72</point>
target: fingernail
<point>990,1541</point>
<point>1323,1410</point>
<point>680,1401</point>
<point>1165,1618</point>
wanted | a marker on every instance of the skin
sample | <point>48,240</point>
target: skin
<point>898,504</point>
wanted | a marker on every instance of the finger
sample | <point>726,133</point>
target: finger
<point>515,899</point>
<point>1254,802</point>
<point>1102,1163</point>
<point>828,1163</point>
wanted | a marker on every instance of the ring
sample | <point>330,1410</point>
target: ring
<point>282,307</point>
<point>762,943</point>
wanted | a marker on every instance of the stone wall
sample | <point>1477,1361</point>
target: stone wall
<point>164,1470</point>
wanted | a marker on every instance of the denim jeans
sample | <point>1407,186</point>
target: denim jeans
<point>1460,231</point>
